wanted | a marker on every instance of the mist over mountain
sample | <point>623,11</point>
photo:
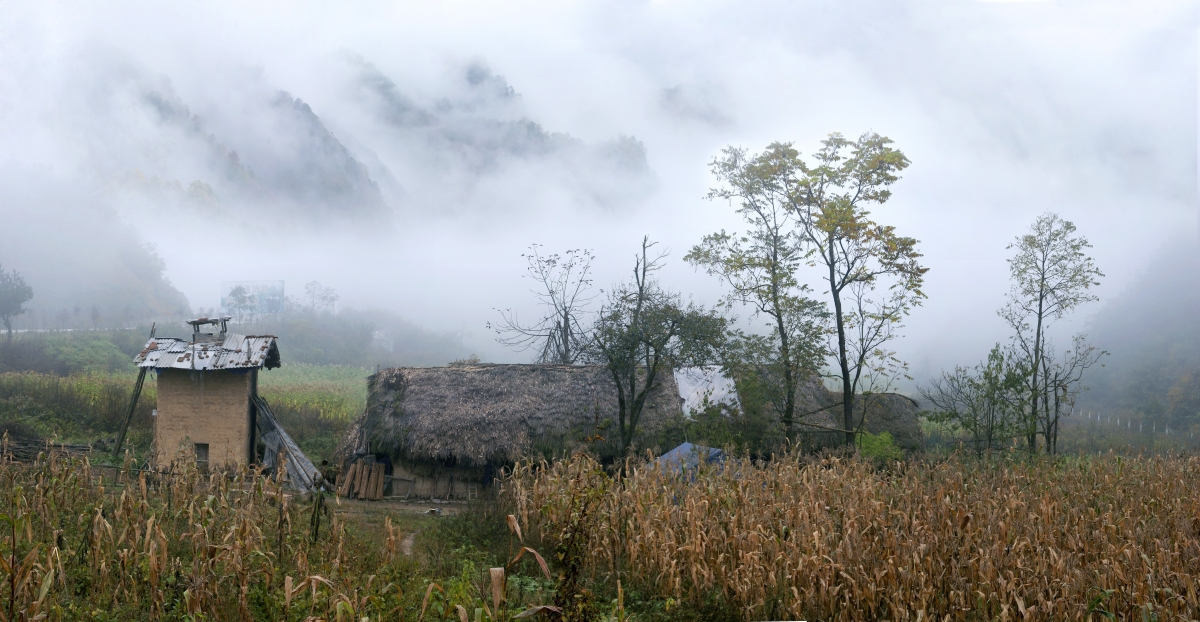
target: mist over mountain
<point>86,267</point>
<point>265,161</point>
<point>448,149</point>
<point>262,158</point>
<point>407,155</point>
<point>146,172</point>
<point>1152,334</point>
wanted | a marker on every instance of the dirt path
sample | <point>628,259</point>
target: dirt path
<point>406,545</point>
<point>410,518</point>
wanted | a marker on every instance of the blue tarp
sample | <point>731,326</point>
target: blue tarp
<point>688,456</point>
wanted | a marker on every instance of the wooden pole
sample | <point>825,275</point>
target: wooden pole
<point>137,392</point>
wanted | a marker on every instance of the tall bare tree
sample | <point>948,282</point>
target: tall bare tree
<point>564,290</point>
<point>1062,382</point>
<point>320,297</point>
<point>14,293</point>
<point>643,331</point>
<point>760,269</point>
<point>1051,275</point>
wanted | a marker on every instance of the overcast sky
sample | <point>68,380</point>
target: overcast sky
<point>1006,110</point>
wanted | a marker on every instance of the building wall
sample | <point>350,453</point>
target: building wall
<point>443,483</point>
<point>210,407</point>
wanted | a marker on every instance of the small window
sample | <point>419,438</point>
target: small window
<point>202,456</point>
<point>472,492</point>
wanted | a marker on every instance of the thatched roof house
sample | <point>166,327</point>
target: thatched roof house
<point>493,414</point>
<point>441,425</point>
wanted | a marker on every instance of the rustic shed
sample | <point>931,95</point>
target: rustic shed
<point>208,402</point>
<point>447,430</point>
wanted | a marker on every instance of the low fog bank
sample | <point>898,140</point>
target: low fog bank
<point>87,267</point>
<point>407,157</point>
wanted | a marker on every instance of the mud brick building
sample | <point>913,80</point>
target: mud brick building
<point>208,394</point>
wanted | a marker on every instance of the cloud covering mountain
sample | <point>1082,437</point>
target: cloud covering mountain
<point>407,154</point>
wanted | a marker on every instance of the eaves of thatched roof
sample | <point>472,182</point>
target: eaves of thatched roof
<point>492,414</point>
<point>893,413</point>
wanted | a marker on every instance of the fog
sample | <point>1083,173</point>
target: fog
<point>406,155</point>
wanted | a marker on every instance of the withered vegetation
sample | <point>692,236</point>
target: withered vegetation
<point>843,539</point>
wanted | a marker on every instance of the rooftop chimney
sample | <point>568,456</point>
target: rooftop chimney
<point>209,329</point>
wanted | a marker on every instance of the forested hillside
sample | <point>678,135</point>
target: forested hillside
<point>1152,332</point>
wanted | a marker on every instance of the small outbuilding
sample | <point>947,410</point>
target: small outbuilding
<point>446,431</point>
<point>208,402</point>
<point>207,388</point>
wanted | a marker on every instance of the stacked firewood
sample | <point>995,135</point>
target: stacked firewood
<point>27,451</point>
<point>364,481</point>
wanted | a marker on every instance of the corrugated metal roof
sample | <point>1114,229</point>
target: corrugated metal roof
<point>235,352</point>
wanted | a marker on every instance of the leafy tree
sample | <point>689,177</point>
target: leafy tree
<point>760,269</point>
<point>563,290</point>
<point>1051,275</point>
<point>240,301</point>
<point>985,402</point>
<point>873,275</point>
<point>642,331</point>
<point>14,293</point>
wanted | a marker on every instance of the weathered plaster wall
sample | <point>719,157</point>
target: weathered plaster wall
<point>203,407</point>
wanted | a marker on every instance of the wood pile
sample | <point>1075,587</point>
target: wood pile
<point>27,451</point>
<point>364,481</point>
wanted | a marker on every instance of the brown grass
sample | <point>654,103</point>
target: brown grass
<point>83,542</point>
<point>844,540</point>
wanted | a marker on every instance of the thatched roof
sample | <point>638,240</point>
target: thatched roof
<point>893,413</point>
<point>491,414</point>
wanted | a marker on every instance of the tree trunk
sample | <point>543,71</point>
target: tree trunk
<point>789,381</point>
<point>621,406</point>
<point>843,358</point>
<point>1037,362</point>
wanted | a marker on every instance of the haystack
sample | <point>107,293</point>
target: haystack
<point>441,425</point>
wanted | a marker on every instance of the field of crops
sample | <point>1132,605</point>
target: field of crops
<point>315,403</point>
<point>831,539</point>
<point>1005,537</point>
<point>1073,539</point>
<point>81,408</point>
<point>338,391</point>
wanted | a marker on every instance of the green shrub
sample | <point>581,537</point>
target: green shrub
<point>881,446</point>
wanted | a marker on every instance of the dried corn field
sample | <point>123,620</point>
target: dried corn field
<point>845,540</point>
<point>83,542</point>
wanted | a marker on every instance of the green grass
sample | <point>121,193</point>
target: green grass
<point>315,403</point>
<point>338,392</point>
<point>81,408</point>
